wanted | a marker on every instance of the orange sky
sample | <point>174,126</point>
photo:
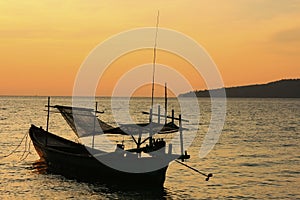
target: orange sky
<point>43,43</point>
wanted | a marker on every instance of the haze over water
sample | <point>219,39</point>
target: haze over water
<point>257,156</point>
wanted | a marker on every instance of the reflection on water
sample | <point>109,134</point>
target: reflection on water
<point>39,167</point>
<point>257,156</point>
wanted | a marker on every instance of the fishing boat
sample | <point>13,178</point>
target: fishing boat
<point>76,160</point>
<point>142,166</point>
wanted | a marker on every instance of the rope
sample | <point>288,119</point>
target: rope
<point>23,157</point>
<point>25,146</point>
<point>13,151</point>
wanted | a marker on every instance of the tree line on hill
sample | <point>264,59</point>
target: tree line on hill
<point>288,88</point>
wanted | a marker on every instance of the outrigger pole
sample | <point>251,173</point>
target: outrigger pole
<point>181,137</point>
<point>94,130</point>
<point>196,170</point>
<point>48,115</point>
<point>170,117</point>
<point>166,103</point>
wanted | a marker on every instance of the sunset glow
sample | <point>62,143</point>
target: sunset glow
<point>43,43</point>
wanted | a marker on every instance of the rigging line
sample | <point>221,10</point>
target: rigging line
<point>25,147</point>
<point>154,58</point>
<point>27,152</point>
<point>13,151</point>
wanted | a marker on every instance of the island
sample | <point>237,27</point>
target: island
<point>287,88</point>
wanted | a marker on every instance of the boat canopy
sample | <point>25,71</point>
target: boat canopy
<point>84,122</point>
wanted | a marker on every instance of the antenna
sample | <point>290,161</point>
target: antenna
<point>154,58</point>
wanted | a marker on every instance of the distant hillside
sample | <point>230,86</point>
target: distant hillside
<point>289,88</point>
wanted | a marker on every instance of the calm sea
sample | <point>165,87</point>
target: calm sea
<point>256,157</point>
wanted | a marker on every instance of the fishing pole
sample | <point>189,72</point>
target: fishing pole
<point>196,170</point>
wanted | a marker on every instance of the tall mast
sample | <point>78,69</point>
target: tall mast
<point>154,58</point>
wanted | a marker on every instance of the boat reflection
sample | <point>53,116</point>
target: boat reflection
<point>39,167</point>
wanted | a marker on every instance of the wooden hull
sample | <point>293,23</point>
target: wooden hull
<point>73,160</point>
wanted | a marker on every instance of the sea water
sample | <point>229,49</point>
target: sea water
<point>256,157</point>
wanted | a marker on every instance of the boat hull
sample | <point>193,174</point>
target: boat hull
<point>73,160</point>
